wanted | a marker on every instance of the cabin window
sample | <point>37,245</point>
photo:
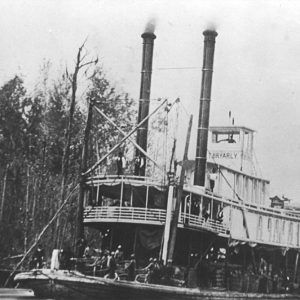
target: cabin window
<point>270,228</point>
<point>290,236</point>
<point>259,228</point>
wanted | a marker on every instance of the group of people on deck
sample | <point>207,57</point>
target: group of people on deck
<point>121,163</point>
<point>110,261</point>
<point>157,272</point>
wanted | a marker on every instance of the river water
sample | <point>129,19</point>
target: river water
<point>17,294</point>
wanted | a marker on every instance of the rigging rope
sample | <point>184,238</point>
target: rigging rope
<point>41,234</point>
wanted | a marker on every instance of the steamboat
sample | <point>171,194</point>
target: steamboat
<point>210,216</point>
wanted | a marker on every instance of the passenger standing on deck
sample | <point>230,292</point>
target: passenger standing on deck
<point>205,214</point>
<point>119,256</point>
<point>88,252</point>
<point>38,257</point>
<point>112,267</point>
<point>140,164</point>
<point>220,215</point>
<point>81,245</point>
<point>65,258</point>
<point>213,178</point>
<point>149,269</point>
<point>121,164</point>
<point>131,268</point>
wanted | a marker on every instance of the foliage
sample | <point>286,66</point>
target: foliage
<point>32,140</point>
<point>117,106</point>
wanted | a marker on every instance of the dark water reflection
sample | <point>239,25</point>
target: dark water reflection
<point>17,294</point>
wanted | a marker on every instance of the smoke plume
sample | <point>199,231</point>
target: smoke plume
<point>211,26</point>
<point>150,26</point>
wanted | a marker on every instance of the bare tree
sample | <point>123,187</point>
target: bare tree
<point>80,64</point>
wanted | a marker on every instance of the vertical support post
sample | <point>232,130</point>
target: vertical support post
<point>168,224</point>
<point>173,231</point>
<point>147,196</point>
<point>185,204</point>
<point>296,267</point>
<point>201,205</point>
<point>122,190</point>
<point>242,135</point>
<point>234,185</point>
<point>219,191</point>
<point>131,197</point>
<point>97,195</point>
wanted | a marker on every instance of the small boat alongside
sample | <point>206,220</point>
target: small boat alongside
<point>62,284</point>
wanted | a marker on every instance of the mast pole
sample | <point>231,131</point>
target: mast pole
<point>83,167</point>
<point>173,231</point>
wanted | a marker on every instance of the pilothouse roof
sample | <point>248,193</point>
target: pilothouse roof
<point>231,129</point>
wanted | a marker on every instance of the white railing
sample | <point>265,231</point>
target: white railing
<point>199,222</point>
<point>149,216</point>
<point>124,214</point>
<point>127,179</point>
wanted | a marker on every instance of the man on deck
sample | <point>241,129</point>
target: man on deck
<point>121,163</point>
<point>131,268</point>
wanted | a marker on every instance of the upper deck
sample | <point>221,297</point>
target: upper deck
<point>124,200</point>
<point>238,192</point>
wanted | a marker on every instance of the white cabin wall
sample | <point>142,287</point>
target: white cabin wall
<point>263,228</point>
<point>249,189</point>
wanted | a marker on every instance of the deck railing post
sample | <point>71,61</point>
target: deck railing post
<point>147,195</point>
<point>121,194</point>
<point>131,198</point>
<point>212,207</point>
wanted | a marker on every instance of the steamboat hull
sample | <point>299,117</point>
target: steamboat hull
<point>74,285</point>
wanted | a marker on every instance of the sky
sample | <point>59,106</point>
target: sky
<point>256,68</point>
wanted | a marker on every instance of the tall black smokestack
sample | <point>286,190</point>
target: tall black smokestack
<point>144,101</point>
<point>203,124</point>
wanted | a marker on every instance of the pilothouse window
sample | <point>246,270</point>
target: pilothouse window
<point>228,137</point>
